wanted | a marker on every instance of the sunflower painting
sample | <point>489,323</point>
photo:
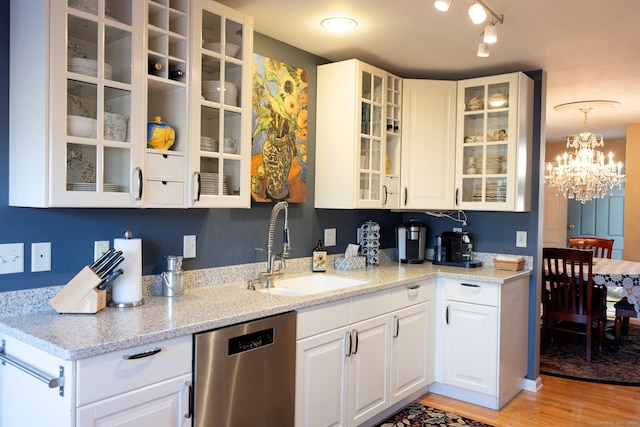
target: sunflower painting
<point>279,137</point>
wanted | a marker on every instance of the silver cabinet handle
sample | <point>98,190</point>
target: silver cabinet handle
<point>406,195</point>
<point>51,382</point>
<point>470,285</point>
<point>447,315</point>
<point>348,335</point>
<point>384,203</point>
<point>189,413</point>
<point>355,347</point>
<point>142,355</point>
<point>140,183</point>
<point>396,321</point>
<point>196,175</point>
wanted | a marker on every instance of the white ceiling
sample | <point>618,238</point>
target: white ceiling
<point>590,49</point>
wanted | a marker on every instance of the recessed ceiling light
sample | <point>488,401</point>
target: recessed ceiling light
<point>338,24</point>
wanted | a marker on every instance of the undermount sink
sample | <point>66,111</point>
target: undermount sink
<point>309,285</point>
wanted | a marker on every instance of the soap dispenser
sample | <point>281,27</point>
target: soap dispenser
<point>319,259</point>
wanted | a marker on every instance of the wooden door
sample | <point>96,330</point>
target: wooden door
<point>602,217</point>
<point>555,218</point>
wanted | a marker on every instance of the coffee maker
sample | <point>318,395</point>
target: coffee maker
<point>454,248</point>
<point>411,240</point>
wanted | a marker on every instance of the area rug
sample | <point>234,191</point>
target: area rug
<point>416,415</point>
<point>619,365</point>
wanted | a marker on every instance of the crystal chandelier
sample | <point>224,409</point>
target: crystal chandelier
<point>583,174</point>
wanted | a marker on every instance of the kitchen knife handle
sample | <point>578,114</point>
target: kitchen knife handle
<point>142,355</point>
<point>101,258</point>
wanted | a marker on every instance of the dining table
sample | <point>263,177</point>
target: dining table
<point>620,276</point>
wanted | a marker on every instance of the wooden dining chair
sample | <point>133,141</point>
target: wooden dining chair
<point>601,247</point>
<point>571,301</point>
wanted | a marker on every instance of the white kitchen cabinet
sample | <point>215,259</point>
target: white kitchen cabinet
<point>427,174</point>
<point>356,358</point>
<point>482,330</point>
<point>144,385</point>
<point>220,106</point>
<point>494,143</point>
<point>350,136</point>
<point>76,104</point>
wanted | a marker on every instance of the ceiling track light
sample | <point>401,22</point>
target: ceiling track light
<point>490,34</point>
<point>442,5</point>
<point>483,50</point>
<point>478,13</point>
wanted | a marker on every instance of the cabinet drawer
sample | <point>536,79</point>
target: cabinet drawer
<point>472,292</point>
<point>111,374</point>
<point>313,321</point>
<point>164,193</point>
<point>407,295</point>
<point>372,305</point>
<point>392,183</point>
<point>168,167</point>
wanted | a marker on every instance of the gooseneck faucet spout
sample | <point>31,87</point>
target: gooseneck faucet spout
<point>286,245</point>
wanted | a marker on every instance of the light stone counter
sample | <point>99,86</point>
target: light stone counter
<point>201,308</point>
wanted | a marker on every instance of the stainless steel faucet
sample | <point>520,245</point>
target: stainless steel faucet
<point>286,246</point>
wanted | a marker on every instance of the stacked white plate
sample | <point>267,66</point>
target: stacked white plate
<point>90,186</point>
<point>496,192</point>
<point>208,144</point>
<point>89,67</point>
<point>494,164</point>
<point>209,183</point>
<point>211,91</point>
<point>81,126</point>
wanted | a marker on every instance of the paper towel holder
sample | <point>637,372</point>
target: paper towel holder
<point>127,235</point>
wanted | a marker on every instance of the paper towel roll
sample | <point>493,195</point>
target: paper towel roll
<point>128,288</point>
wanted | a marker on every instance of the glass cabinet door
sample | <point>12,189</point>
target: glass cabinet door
<point>372,129</point>
<point>97,159</point>
<point>485,142</point>
<point>220,150</point>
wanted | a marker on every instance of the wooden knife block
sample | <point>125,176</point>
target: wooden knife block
<point>80,294</point>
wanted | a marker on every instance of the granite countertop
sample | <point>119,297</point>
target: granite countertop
<point>77,336</point>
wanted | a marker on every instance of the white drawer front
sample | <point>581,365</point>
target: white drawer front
<point>392,183</point>
<point>169,167</point>
<point>316,320</point>
<point>408,295</point>
<point>367,306</point>
<point>111,374</point>
<point>473,292</point>
<point>164,193</point>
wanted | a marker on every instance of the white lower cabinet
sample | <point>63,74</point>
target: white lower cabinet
<point>357,357</point>
<point>144,385</point>
<point>481,338</point>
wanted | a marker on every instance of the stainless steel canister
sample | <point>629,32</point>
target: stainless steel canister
<point>173,278</point>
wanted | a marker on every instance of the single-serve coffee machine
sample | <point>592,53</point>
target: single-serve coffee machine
<point>454,248</point>
<point>411,241</point>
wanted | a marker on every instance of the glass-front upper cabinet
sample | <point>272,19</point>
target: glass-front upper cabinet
<point>220,159</point>
<point>494,132</point>
<point>351,135</point>
<point>75,115</point>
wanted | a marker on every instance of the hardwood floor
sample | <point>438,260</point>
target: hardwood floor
<point>560,402</point>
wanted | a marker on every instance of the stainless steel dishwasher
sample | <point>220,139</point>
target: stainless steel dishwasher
<point>245,374</point>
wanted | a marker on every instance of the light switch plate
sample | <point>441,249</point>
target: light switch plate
<point>11,258</point>
<point>99,248</point>
<point>189,247</point>
<point>329,237</point>
<point>521,239</point>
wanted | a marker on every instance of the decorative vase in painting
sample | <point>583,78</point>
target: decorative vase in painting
<point>276,157</point>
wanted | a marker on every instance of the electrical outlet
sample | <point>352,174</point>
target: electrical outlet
<point>41,256</point>
<point>329,237</point>
<point>11,258</point>
<point>99,248</point>
<point>521,239</point>
<point>189,247</point>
